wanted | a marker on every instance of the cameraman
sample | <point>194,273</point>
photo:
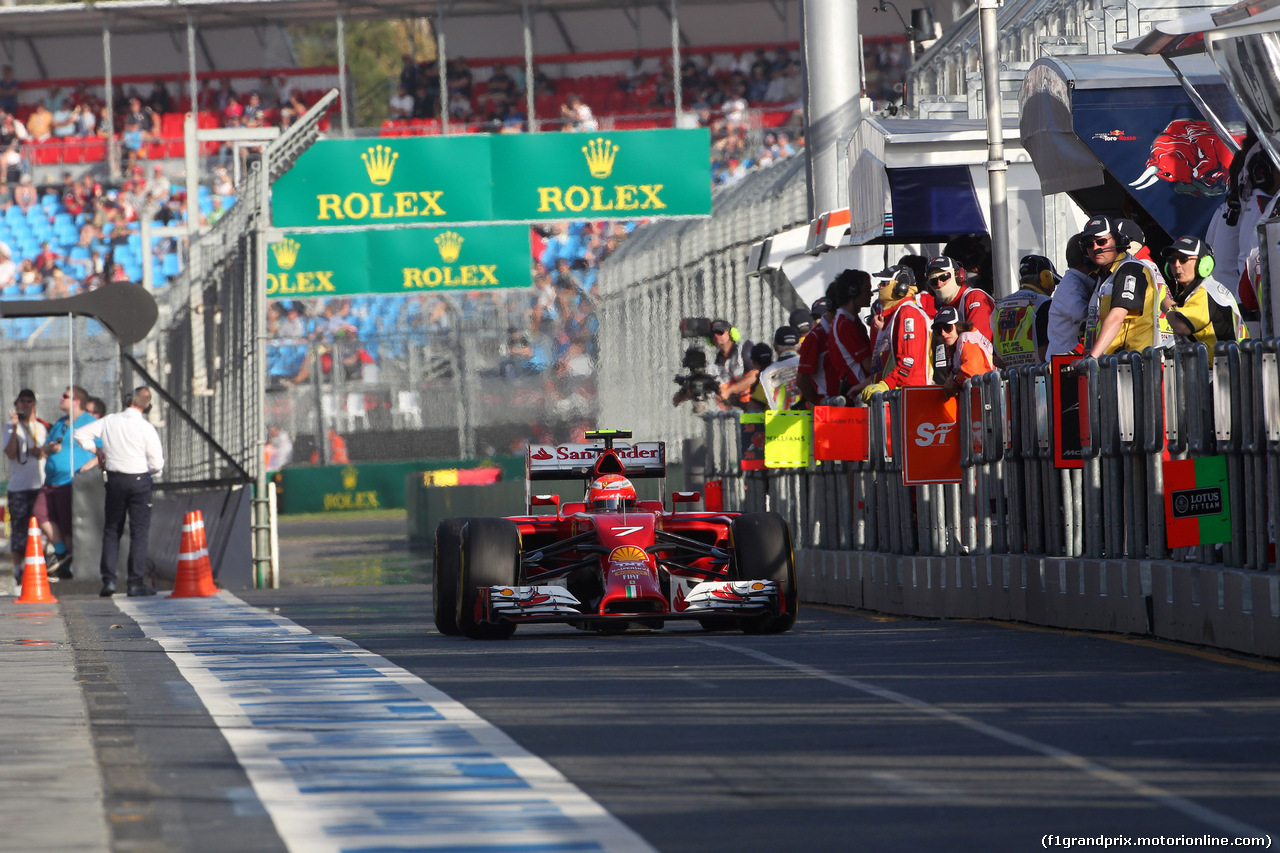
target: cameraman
<point>730,369</point>
<point>24,438</point>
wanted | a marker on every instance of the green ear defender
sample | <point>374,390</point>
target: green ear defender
<point>1204,266</point>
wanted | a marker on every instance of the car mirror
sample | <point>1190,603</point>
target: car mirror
<point>685,497</point>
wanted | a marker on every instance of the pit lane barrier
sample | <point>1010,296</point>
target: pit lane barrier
<point>1019,539</point>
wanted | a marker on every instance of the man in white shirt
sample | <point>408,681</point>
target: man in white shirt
<point>131,455</point>
<point>23,440</point>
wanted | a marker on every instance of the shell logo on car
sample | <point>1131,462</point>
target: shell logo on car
<point>628,554</point>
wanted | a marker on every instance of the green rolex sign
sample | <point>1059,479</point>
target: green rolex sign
<point>408,260</point>
<point>636,174</point>
<point>350,182</point>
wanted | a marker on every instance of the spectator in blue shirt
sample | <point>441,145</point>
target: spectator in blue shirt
<point>63,460</point>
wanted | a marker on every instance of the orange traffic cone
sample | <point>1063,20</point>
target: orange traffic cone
<point>194,577</point>
<point>35,574</point>
<point>206,567</point>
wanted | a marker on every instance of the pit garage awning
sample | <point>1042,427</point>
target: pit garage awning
<point>1117,132</point>
<point>925,181</point>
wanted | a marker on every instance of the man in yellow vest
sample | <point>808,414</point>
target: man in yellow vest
<point>1124,313</point>
<point>1022,317</point>
<point>1202,309</point>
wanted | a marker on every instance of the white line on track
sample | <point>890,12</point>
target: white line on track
<point>1120,780</point>
<point>348,752</point>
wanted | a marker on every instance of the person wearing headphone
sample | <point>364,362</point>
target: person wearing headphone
<point>901,355</point>
<point>815,357</point>
<point>779,380</point>
<point>849,344</point>
<point>968,352</point>
<point>1125,310</point>
<point>1202,308</point>
<point>1070,305</point>
<point>947,282</point>
<point>1022,317</point>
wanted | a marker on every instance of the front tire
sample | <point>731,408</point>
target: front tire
<point>444,575</point>
<point>762,551</point>
<point>490,557</point>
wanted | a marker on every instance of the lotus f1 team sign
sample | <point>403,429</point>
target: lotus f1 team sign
<point>529,177</point>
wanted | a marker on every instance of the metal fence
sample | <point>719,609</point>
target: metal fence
<point>210,352</point>
<point>1144,408</point>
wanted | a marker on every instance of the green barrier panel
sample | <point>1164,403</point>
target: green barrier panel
<point>342,488</point>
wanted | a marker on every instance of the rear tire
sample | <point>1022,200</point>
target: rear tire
<point>444,575</point>
<point>762,551</point>
<point>490,557</point>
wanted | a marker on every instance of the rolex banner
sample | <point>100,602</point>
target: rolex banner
<point>410,260</point>
<point>1197,508</point>
<point>527,177</point>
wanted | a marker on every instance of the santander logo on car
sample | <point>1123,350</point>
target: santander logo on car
<point>933,435</point>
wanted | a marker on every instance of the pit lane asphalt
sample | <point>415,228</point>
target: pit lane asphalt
<point>856,732</point>
<point>850,732</point>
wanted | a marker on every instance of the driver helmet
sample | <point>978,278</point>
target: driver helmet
<point>610,493</point>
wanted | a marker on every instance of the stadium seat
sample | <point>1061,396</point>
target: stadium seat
<point>171,266</point>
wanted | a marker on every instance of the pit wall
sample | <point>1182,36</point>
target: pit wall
<point>1233,609</point>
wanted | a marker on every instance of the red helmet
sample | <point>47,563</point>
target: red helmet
<point>610,493</point>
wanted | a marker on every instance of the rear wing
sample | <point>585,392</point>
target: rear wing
<point>578,461</point>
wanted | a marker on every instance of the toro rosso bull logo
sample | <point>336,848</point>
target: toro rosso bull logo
<point>1190,156</point>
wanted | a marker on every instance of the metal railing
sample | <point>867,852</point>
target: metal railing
<point>1143,409</point>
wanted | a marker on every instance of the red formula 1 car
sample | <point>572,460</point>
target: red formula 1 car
<point>611,561</point>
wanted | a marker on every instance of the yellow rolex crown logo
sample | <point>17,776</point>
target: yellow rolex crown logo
<point>286,252</point>
<point>450,246</point>
<point>349,477</point>
<point>380,162</point>
<point>600,153</point>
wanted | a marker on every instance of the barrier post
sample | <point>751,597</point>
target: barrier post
<point>1091,473</point>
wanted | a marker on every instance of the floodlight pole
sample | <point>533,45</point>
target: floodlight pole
<point>531,118</point>
<point>113,162</point>
<point>443,75</point>
<point>191,62</point>
<point>676,88</point>
<point>345,110</point>
<point>833,89</point>
<point>1001,267</point>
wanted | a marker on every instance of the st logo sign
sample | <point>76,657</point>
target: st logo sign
<point>931,453</point>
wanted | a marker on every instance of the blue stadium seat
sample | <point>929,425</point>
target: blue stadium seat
<point>171,266</point>
<point>79,253</point>
<point>12,291</point>
<point>62,219</point>
<point>33,291</point>
<point>37,214</point>
<point>13,214</point>
<point>107,228</point>
<point>228,201</point>
<point>135,243</point>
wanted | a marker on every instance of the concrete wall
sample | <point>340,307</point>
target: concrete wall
<point>1223,608</point>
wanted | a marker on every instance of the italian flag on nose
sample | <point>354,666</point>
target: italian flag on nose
<point>1197,507</point>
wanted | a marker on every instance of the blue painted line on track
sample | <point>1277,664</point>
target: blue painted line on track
<point>350,754</point>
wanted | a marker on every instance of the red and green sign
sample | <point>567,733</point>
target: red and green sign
<point>1197,509</point>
